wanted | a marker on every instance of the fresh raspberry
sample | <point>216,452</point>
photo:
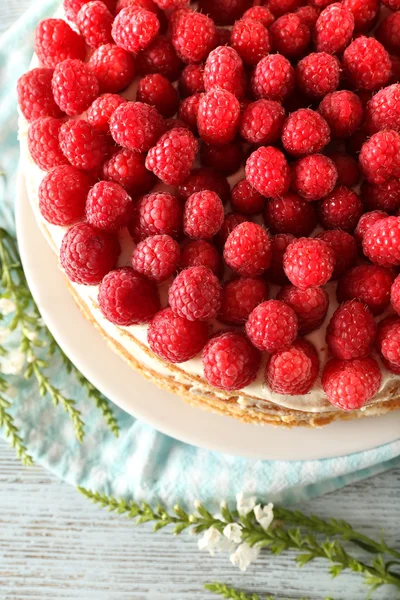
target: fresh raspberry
<point>135,28</point>
<point>72,7</point>
<point>262,122</point>
<point>113,67</point>
<point>74,86</point>
<point>380,157</point>
<point>191,80</point>
<point>367,64</point>
<point>314,176</point>
<point>334,29</point>
<point>305,132</point>
<point>308,15</point>
<point>272,326</point>
<point>381,243</point>
<point>157,213</point>
<point>247,250</point>
<point>172,4</point>
<point>350,384</point>
<point>290,214</point>
<point>388,343</point>
<point>395,295</point>
<point>341,209</point>
<point>230,361</point>
<point>128,169</point>
<point>204,179</point>
<point>224,69</point>
<point>87,254</point>
<point>147,4</point>
<point>351,331</point>
<point>43,143</point>
<point>136,126</point>
<point>201,253</point>
<point>246,199</point>
<point>100,111</point>
<point>108,206</point>
<point>174,338</point>
<point>156,257</point>
<point>225,158</point>
<point>157,91</point>
<point>310,305</point>
<point>62,195</point>
<point>261,14</point>
<point>388,33</point>
<point>392,4</point>
<point>369,284</point>
<point>344,248</point>
<point>159,57</point>
<point>281,7</point>
<point>240,297</point>
<point>343,111</point>
<point>346,167</point>
<point>218,116</point>
<point>203,215</point>
<point>320,3</point>
<point>55,41</point>
<point>83,145</point>
<point>193,36</point>
<point>94,21</point>
<point>230,222</point>
<point>290,36</point>
<point>188,111</point>
<point>267,170</point>
<point>273,78</point>
<point>35,96</point>
<point>195,294</point>
<point>384,197</point>
<point>366,221</point>
<point>224,12</point>
<point>365,13</point>
<point>293,371</point>
<point>279,243</point>
<point>318,74</point>
<point>251,41</point>
<point>126,298</point>
<point>308,262</point>
<point>383,110</point>
<point>173,156</point>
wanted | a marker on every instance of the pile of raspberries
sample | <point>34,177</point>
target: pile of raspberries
<point>301,101</point>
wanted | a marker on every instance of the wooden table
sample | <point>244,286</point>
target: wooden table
<point>55,545</point>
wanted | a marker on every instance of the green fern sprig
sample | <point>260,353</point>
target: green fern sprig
<point>221,589</point>
<point>11,430</point>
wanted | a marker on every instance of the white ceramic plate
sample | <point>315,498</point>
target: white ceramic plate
<point>164,411</point>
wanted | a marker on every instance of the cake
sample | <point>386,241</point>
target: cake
<point>255,276</point>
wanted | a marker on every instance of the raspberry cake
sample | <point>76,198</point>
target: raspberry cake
<point>221,183</point>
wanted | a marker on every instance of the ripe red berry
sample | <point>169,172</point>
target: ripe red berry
<point>272,326</point>
<point>347,168</point>
<point>83,145</point>
<point>381,243</point>
<point>392,4</point>
<point>383,110</point>
<point>108,206</point>
<point>318,74</point>
<point>240,297</point>
<point>74,86</point>
<point>261,14</point>
<point>380,157</point>
<point>224,12</point>
<point>343,111</point>
<point>172,158</point>
<point>305,131</point>
<point>334,29</point>
<point>314,176</point>
<point>35,96</point>
<point>194,36</point>
<point>72,7</point>
<point>247,250</point>
<point>395,295</point>
<point>62,195</point>
<point>218,117</point>
<point>281,7</point>
<point>87,254</point>
<point>341,209</point>
<point>126,298</point>
<point>156,257</point>
<point>128,169</point>
<point>308,262</point>
<point>230,222</point>
<point>225,158</point>
<point>351,331</point>
<point>388,342</point>
<point>224,69</point>
<point>230,361</point>
<point>262,122</point>
<point>156,90</point>
<point>310,305</point>
<point>100,111</point>
<point>251,40</point>
<point>134,28</point>
<point>279,243</point>
<point>369,284</point>
<point>308,15</point>
<point>273,78</point>
<point>350,384</point>
<point>188,111</point>
<point>294,370</point>
<point>159,57</point>
<point>384,197</point>
<point>246,199</point>
<point>365,13</point>
<point>267,170</point>
<point>388,33</point>
<point>136,126</point>
<point>344,247</point>
<point>94,21</point>
<point>204,179</point>
<point>113,67</point>
<point>43,143</point>
<point>290,214</point>
<point>195,294</point>
<point>174,338</point>
<point>157,213</point>
<point>203,215</point>
<point>191,80</point>
<point>367,64</point>
<point>55,41</point>
<point>366,221</point>
<point>290,36</point>
<point>201,253</point>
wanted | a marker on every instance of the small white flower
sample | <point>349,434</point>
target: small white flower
<point>233,532</point>
<point>245,505</point>
<point>223,504</point>
<point>210,540</point>
<point>7,306</point>
<point>4,333</point>
<point>197,504</point>
<point>264,515</point>
<point>13,363</point>
<point>244,555</point>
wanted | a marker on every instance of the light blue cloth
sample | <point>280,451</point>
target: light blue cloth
<point>142,463</point>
